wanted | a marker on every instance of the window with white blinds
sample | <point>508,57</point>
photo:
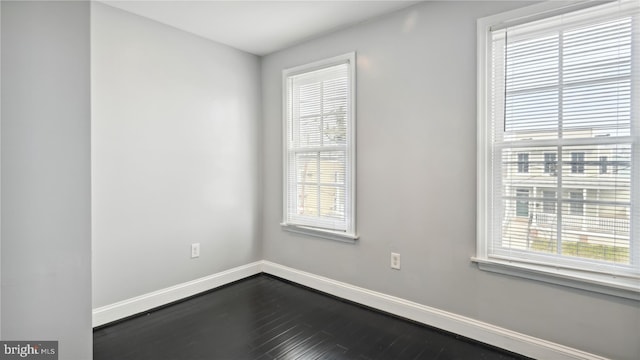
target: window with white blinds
<point>319,152</point>
<point>559,141</point>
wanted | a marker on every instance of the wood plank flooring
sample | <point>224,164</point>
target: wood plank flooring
<point>264,317</point>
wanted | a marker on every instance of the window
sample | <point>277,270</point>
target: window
<point>576,204</point>
<point>603,164</point>
<point>555,82</point>
<point>522,202</point>
<point>523,163</point>
<point>577,162</point>
<point>550,163</point>
<point>549,202</point>
<point>319,148</point>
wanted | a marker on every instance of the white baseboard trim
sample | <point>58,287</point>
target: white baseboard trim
<point>122,309</point>
<point>461,325</point>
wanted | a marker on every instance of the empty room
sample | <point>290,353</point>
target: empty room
<point>320,180</point>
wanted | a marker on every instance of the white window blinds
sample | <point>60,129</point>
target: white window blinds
<point>319,154</point>
<point>564,95</point>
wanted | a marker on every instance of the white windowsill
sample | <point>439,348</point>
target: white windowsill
<point>321,233</point>
<point>601,283</point>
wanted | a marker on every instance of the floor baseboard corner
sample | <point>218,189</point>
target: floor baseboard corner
<point>454,323</point>
<point>142,303</point>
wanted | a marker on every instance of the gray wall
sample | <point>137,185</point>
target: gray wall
<point>175,141</point>
<point>0,170</point>
<point>46,219</point>
<point>416,194</point>
<point>176,160</point>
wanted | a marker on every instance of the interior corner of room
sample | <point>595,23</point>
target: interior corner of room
<point>142,164</point>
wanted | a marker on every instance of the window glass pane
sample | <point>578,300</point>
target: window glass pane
<point>590,72</point>
<point>307,167</point>
<point>538,162</point>
<point>599,233</point>
<point>335,112</point>
<point>532,114</point>
<point>532,94</point>
<point>308,200</point>
<point>525,226</point>
<point>332,202</point>
<point>332,167</point>
<point>596,71</point>
<point>532,64</point>
<point>583,168</point>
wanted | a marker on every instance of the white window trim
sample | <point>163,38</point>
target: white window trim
<point>321,233</point>
<point>610,284</point>
<point>350,235</point>
<point>605,284</point>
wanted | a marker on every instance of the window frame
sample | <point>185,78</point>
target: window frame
<point>582,278</point>
<point>350,235</point>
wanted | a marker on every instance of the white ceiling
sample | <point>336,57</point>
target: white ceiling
<point>259,27</point>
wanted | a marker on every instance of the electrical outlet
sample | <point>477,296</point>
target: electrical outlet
<point>395,261</point>
<point>195,250</point>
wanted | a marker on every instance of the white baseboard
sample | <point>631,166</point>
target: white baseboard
<point>461,325</point>
<point>122,309</point>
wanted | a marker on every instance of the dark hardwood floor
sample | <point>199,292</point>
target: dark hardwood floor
<point>263,317</point>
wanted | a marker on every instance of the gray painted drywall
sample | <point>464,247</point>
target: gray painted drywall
<point>175,141</point>
<point>0,170</point>
<point>416,194</point>
<point>45,147</point>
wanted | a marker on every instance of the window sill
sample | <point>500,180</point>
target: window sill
<point>624,287</point>
<point>321,233</point>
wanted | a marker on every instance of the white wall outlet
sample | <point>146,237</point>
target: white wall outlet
<point>195,250</point>
<point>395,261</point>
